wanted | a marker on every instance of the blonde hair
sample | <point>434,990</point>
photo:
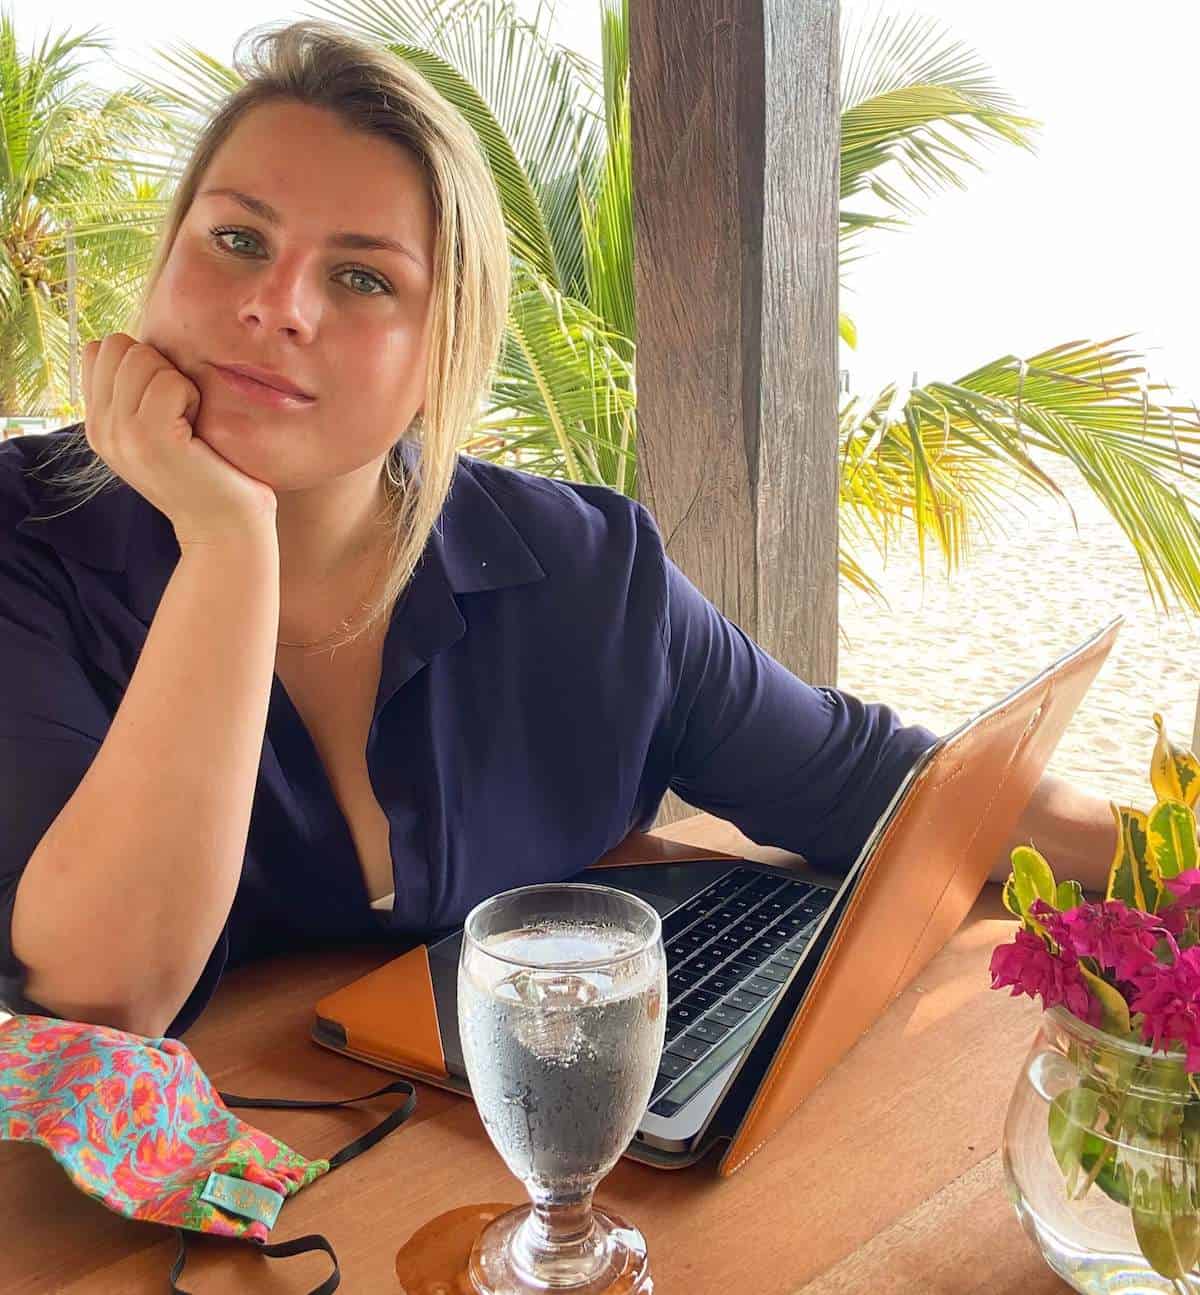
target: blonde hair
<point>317,64</point>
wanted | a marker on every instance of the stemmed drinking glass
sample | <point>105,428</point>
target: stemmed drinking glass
<point>562,993</point>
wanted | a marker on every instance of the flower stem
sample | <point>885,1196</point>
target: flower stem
<point>1109,1145</point>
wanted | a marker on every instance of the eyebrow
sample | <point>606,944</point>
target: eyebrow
<point>339,238</point>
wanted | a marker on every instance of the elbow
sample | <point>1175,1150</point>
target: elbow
<point>135,1018</point>
<point>96,996</point>
<point>132,1016</point>
<point>148,1022</point>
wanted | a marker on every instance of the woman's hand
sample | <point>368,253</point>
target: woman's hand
<point>140,412</point>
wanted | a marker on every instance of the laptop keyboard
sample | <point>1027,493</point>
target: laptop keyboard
<point>729,949</point>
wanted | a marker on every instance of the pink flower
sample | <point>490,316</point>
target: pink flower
<point>1121,939</point>
<point>1185,888</point>
<point>1174,919</point>
<point>1168,997</point>
<point>1030,968</point>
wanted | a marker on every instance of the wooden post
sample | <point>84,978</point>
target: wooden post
<point>734,109</point>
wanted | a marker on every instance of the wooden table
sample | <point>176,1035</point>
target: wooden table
<point>888,1179</point>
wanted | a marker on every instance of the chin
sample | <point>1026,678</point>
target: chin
<point>251,445</point>
<point>233,435</point>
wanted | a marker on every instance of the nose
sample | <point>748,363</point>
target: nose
<point>281,300</point>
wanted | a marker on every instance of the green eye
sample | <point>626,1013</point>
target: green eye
<point>218,234</point>
<point>370,277</point>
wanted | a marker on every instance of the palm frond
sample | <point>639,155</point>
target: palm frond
<point>892,51</point>
<point>918,110</point>
<point>960,451</point>
<point>607,214</point>
<point>563,401</point>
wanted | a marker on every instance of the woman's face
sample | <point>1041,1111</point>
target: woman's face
<point>347,324</point>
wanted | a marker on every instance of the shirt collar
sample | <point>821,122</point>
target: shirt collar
<point>479,545</point>
<point>473,548</point>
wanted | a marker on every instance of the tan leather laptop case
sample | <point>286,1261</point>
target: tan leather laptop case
<point>914,891</point>
<point>919,884</point>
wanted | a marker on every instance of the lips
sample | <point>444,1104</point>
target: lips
<point>268,378</point>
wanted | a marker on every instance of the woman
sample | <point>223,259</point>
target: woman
<point>301,672</point>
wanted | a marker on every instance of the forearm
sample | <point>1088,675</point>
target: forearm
<point>1073,829</point>
<point>123,899</point>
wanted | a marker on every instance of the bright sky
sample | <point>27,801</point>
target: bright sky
<point>1091,237</point>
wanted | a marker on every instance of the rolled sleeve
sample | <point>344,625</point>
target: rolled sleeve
<point>52,723</point>
<point>803,768</point>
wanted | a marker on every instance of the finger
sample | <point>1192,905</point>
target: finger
<point>138,365</point>
<point>168,394</point>
<point>87,363</point>
<point>108,358</point>
<point>95,396</point>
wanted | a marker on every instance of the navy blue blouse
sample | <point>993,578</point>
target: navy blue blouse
<point>548,674</point>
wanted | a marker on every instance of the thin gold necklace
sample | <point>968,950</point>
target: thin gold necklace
<point>342,628</point>
<point>313,643</point>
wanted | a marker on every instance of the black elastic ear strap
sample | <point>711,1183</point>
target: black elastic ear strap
<point>281,1250</point>
<point>359,1145</point>
<point>304,1245</point>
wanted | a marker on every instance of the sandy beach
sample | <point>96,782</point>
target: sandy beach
<point>941,651</point>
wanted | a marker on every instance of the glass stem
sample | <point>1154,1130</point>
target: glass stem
<point>560,1235</point>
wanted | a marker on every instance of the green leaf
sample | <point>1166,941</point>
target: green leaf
<point>1171,838</point>
<point>1034,879</point>
<point>1078,1148</point>
<point>1166,1224</point>
<point>1133,878</point>
<point>1114,1010</point>
<point>1174,771</point>
<point>1068,896</point>
<point>847,331</point>
<point>1009,895</point>
<point>1072,1119</point>
<point>1113,1178</point>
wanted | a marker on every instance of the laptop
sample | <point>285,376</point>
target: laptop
<point>773,972</point>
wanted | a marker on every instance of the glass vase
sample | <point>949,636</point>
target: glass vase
<point>1102,1160</point>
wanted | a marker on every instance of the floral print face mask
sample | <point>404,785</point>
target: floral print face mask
<point>137,1125</point>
